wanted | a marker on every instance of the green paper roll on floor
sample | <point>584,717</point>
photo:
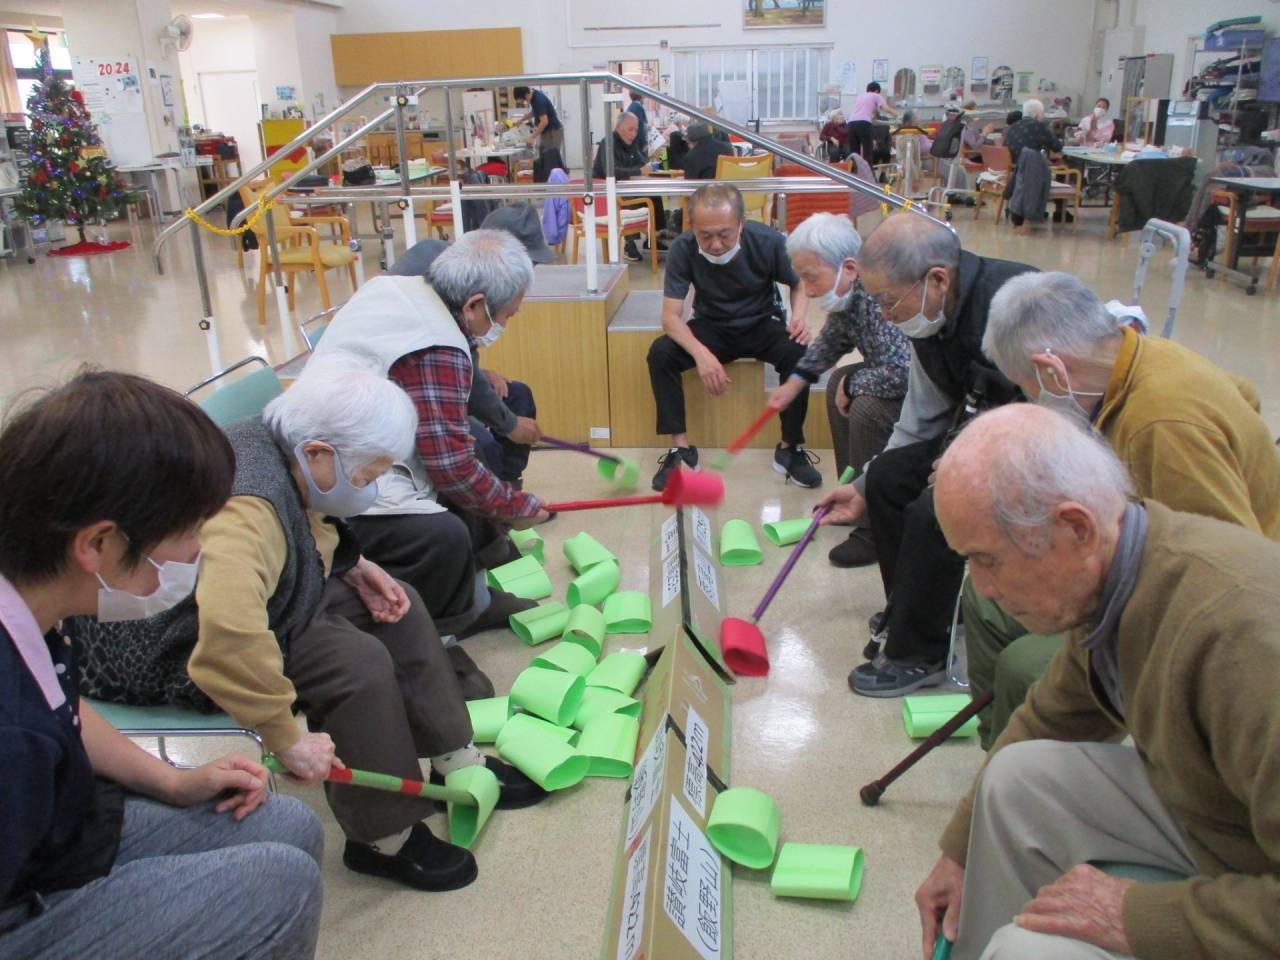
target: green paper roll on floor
<point>466,822</point>
<point>619,671</point>
<point>609,744</point>
<point>782,533</point>
<point>586,627</point>
<point>822,871</point>
<point>540,624</point>
<point>488,717</point>
<point>628,612</point>
<point>594,584</point>
<point>529,543</point>
<point>584,551</point>
<point>524,577</point>
<point>744,826</point>
<point>569,657</point>
<point>922,715</point>
<point>550,763</point>
<point>525,724</point>
<point>620,472</point>
<point>597,701</point>
<point>738,545</point>
<point>551,694</point>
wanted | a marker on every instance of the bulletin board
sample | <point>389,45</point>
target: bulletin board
<point>112,91</point>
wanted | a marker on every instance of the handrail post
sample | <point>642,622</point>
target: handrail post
<point>406,201</point>
<point>610,185</point>
<point>206,304</point>
<point>455,187</point>
<point>282,299</point>
<point>589,198</point>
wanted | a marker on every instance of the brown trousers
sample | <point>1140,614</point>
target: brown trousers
<point>387,695</point>
<point>862,434</point>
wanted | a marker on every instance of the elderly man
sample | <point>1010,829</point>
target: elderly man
<point>700,162</point>
<point>938,295</point>
<point>1173,643</point>
<point>629,160</point>
<point>864,398</point>
<point>733,265</point>
<point>1189,433</point>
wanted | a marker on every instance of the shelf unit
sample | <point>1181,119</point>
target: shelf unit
<point>1225,83</point>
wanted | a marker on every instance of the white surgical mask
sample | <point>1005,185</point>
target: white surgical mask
<point>1099,112</point>
<point>177,580</point>
<point>721,259</point>
<point>344,499</point>
<point>920,327</point>
<point>1066,404</point>
<point>490,336</point>
<point>831,300</point>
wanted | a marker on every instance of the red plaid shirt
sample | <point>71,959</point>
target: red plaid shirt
<point>438,380</point>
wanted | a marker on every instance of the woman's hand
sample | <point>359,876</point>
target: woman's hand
<point>247,780</point>
<point>384,598</point>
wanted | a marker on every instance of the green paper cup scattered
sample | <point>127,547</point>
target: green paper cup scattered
<point>466,822</point>
<point>822,871</point>
<point>738,545</point>
<point>609,744</point>
<point>541,623</point>
<point>619,671</point>
<point>586,628</point>
<point>922,715</point>
<point>551,694</point>
<point>488,717</point>
<point>598,701</point>
<point>594,584</point>
<point>628,612</point>
<point>620,472</point>
<point>569,657</point>
<point>529,543</point>
<point>550,763</point>
<point>782,533</point>
<point>526,724</point>
<point>524,577</point>
<point>585,551</point>
<point>744,826</point>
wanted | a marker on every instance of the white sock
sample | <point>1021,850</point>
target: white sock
<point>448,639</point>
<point>467,756</point>
<point>391,845</point>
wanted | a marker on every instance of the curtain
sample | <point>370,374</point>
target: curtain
<point>8,80</point>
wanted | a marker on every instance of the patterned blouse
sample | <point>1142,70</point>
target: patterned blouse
<point>885,350</point>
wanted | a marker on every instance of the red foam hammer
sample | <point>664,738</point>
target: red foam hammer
<point>685,488</point>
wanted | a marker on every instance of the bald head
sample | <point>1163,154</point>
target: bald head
<point>903,248</point>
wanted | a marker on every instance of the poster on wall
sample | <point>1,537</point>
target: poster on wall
<point>108,84</point>
<point>931,77</point>
<point>1024,80</point>
<point>784,13</point>
<point>880,71</point>
<point>848,77</point>
<point>978,70</point>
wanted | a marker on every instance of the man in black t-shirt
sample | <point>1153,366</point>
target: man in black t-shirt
<point>733,264</point>
<point>547,132</point>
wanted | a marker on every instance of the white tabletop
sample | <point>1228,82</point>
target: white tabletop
<point>1268,184</point>
<point>1097,156</point>
<point>468,154</point>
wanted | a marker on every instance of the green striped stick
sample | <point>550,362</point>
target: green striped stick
<point>385,782</point>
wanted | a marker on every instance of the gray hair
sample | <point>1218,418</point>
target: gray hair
<point>1033,108</point>
<point>831,237</point>
<point>907,258</point>
<point>362,415</point>
<point>1037,311</point>
<point>624,117</point>
<point>490,262</point>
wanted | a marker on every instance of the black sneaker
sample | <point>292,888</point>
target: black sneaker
<point>515,789</point>
<point>631,253</point>
<point>857,550</point>
<point>676,456</point>
<point>797,465</point>
<point>885,678</point>
<point>425,862</point>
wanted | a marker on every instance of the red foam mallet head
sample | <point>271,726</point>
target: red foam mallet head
<point>743,647</point>
<point>690,488</point>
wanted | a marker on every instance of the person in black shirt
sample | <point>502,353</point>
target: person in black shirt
<point>629,161</point>
<point>734,265</point>
<point>1031,131</point>
<point>548,132</point>
<point>700,161</point>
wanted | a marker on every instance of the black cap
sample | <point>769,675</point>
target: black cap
<point>521,220</point>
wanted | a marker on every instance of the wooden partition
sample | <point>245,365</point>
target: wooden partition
<point>360,59</point>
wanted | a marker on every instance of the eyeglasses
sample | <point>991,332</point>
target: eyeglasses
<point>886,308</point>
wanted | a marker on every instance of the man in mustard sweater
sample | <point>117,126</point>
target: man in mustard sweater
<point>1189,433</point>
<point>1172,641</point>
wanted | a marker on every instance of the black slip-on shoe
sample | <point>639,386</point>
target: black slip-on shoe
<point>425,862</point>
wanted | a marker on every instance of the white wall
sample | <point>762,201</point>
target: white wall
<point>218,46</point>
<point>1169,22</point>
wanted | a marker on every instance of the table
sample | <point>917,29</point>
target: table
<point>1105,164</point>
<point>1243,187</point>
<point>501,154</point>
<point>158,166</point>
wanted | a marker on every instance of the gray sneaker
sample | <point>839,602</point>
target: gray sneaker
<point>887,678</point>
<point>797,465</point>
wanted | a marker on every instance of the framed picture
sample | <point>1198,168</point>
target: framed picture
<point>784,13</point>
<point>978,70</point>
<point>880,71</point>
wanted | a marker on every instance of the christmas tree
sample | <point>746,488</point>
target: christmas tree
<point>70,177</point>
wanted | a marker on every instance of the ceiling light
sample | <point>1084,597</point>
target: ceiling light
<point>208,16</point>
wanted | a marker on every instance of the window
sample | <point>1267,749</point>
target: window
<point>23,53</point>
<point>782,82</point>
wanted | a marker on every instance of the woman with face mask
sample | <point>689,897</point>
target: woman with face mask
<point>105,850</point>
<point>1096,128</point>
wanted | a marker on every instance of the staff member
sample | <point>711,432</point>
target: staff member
<point>864,110</point>
<point>1096,128</point>
<point>548,131</point>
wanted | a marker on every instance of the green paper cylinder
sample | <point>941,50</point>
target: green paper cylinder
<point>922,715</point>
<point>738,545</point>
<point>594,584</point>
<point>569,657</point>
<point>529,543</point>
<point>541,623</point>
<point>597,701</point>
<point>585,551</point>
<point>488,717</point>
<point>628,612</point>
<point>586,627</point>
<point>551,694</point>
<point>609,744</point>
<point>619,671</point>
<point>621,472</point>
<point>550,763</point>
<point>536,586</point>
<point>744,826</point>
<point>822,871</point>
<point>782,533</point>
<point>466,822</point>
<point>526,724</point>
<point>499,577</point>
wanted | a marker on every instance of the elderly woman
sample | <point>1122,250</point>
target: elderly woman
<point>288,614</point>
<point>834,135</point>
<point>104,486</point>
<point>863,398</point>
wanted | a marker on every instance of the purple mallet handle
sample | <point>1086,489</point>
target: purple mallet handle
<point>798,549</point>
<point>576,448</point>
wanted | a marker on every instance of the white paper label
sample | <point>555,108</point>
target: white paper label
<point>696,737</point>
<point>670,578</point>
<point>599,433</point>
<point>701,529</point>
<point>691,884</point>
<point>631,931</point>
<point>705,573</point>
<point>646,782</point>
<point>670,536</point>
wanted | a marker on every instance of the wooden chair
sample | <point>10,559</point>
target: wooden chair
<point>1258,221</point>
<point>438,214</point>
<point>635,219</point>
<point>381,148</point>
<point>758,205</point>
<point>1068,188</point>
<point>800,206</point>
<point>996,160</point>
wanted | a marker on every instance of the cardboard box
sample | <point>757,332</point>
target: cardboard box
<point>684,566</point>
